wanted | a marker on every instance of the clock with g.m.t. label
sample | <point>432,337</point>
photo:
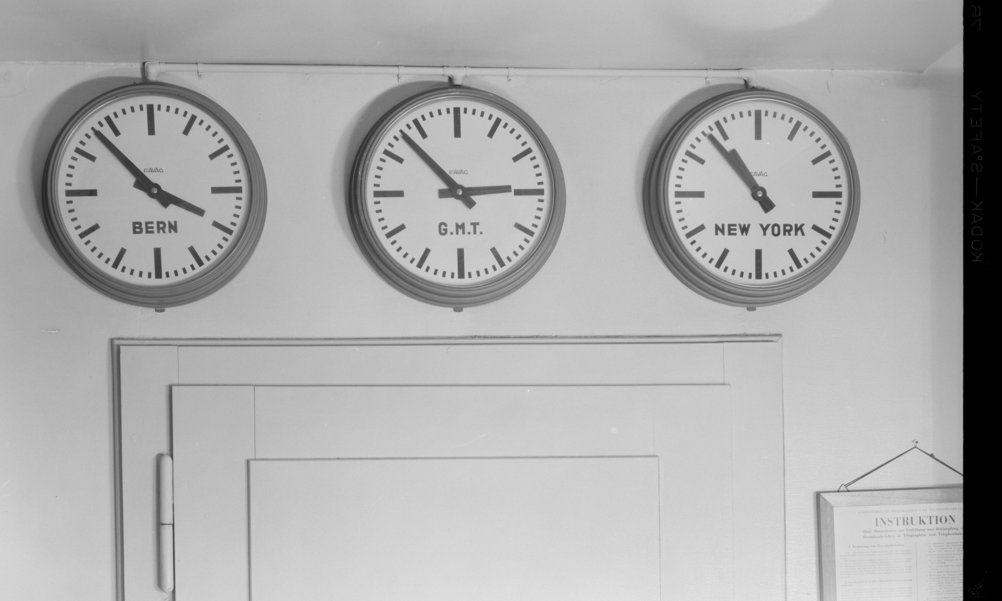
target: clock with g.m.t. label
<point>456,197</point>
<point>154,195</point>
<point>752,198</point>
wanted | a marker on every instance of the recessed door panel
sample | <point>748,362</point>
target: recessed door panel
<point>545,529</point>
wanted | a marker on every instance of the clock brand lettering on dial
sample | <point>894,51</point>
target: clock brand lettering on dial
<point>154,195</point>
<point>745,236</point>
<point>456,197</point>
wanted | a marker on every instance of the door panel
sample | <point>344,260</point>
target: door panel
<point>455,529</point>
<point>468,421</point>
<point>479,429</point>
<point>213,438</point>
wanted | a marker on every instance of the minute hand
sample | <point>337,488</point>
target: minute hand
<point>456,191</point>
<point>733,159</point>
<point>142,182</point>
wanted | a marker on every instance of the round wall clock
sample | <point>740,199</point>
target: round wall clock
<point>456,197</point>
<point>752,198</point>
<point>154,195</point>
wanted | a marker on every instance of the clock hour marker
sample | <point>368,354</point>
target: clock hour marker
<point>387,193</point>
<point>111,125</point>
<point>396,230</point>
<point>694,157</point>
<point>187,126</point>
<point>793,132</point>
<point>720,259</point>
<point>758,124</point>
<point>494,128</point>
<point>151,126</point>
<point>524,229</point>
<point>461,263</point>
<point>424,257</point>
<point>226,189</point>
<point>521,155</point>
<point>793,255</point>
<point>497,256</point>
<point>222,228</point>
<point>81,192</point>
<point>689,194</point>
<point>393,156</point>
<point>89,231</point>
<point>695,230</point>
<point>720,128</point>
<point>528,191</point>
<point>821,157</point>
<point>118,258</point>
<point>457,129</point>
<point>218,152</point>
<point>85,154</point>
<point>758,263</point>
<point>195,255</point>
<point>826,194</point>
<point>420,130</point>
<point>821,231</point>
<point>157,267</point>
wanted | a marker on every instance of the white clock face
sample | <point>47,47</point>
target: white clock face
<point>757,197</point>
<point>457,193</point>
<point>151,191</point>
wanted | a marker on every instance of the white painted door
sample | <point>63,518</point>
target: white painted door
<point>651,473</point>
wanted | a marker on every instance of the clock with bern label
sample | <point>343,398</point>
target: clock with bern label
<point>752,198</point>
<point>154,195</point>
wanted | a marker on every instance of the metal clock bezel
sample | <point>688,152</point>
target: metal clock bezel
<point>455,296</point>
<point>672,249</point>
<point>162,295</point>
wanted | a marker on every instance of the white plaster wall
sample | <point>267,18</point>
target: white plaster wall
<point>872,356</point>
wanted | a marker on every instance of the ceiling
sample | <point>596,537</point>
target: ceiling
<point>893,35</point>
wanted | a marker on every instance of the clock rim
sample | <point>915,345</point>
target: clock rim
<point>673,250</point>
<point>451,295</point>
<point>162,295</point>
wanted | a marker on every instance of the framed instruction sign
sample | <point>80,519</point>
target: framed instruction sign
<point>891,545</point>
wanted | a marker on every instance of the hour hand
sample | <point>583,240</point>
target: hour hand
<point>476,190</point>
<point>166,198</point>
<point>758,192</point>
<point>734,159</point>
